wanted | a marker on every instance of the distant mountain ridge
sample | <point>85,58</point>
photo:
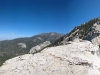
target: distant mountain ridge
<point>20,46</point>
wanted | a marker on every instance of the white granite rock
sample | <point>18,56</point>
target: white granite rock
<point>22,45</point>
<point>95,39</point>
<point>39,47</point>
<point>77,58</point>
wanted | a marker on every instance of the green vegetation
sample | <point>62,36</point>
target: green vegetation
<point>57,42</point>
<point>3,58</point>
<point>83,33</point>
<point>84,29</point>
<point>10,48</point>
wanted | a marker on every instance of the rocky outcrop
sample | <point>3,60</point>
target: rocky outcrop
<point>22,45</point>
<point>39,47</point>
<point>93,35</point>
<point>76,58</point>
<point>95,39</point>
<point>84,32</point>
<point>66,39</point>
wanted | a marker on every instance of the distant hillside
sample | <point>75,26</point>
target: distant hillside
<point>20,46</point>
<point>83,32</point>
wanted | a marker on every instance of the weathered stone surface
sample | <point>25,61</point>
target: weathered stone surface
<point>22,45</point>
<point>95,39</point>
<point>76,58</point>
<point>39,47</point>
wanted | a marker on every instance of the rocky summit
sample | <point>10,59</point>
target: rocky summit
<point>76,58</point>
<point>76,53</point>
<point>86,31</point>
<point>95,38</point>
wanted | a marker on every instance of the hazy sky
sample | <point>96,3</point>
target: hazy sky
<point>25,18</point>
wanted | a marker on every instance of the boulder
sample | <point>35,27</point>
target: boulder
<point>39,47</point>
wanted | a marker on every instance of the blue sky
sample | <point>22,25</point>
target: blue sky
<point>25,18</point>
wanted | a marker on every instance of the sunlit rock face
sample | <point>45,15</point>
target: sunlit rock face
<point>39,47</point>
<point>95,39</point>
<point>76,58</point>
<point>22,45</point>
